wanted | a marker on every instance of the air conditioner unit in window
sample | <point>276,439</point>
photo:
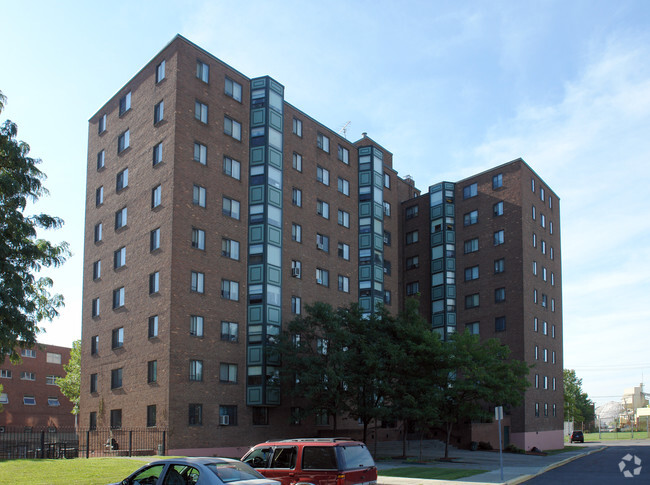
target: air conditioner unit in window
<point>319,281</point>
<point>320,245</point>
<point>224,420</point>
<point>295,272</point>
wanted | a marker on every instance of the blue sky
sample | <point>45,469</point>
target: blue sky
<point>451,88</point>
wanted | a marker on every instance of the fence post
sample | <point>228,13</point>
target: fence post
<point>88,443</point>
<point>130,442</point>
<point>164,443</point>
<point>42,444</point>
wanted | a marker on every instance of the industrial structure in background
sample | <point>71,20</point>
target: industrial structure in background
<point>215,210</point>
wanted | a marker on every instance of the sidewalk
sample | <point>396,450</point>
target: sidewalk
<point>516,468</point>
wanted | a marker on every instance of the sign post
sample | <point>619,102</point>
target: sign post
<point>498,414</point>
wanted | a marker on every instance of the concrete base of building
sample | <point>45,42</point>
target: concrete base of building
<point>544,440</point>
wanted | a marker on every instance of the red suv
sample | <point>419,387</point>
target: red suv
<point>316,461</point>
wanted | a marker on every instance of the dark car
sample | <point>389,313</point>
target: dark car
<point>577,436</point>
<point>196,471</point>
<point>317,461</point>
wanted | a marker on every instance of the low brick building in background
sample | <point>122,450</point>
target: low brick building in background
<point>30,396</point>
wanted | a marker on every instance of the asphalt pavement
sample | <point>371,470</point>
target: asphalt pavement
<point>517,468</point>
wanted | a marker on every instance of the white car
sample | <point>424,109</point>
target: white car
<point>196,471</point>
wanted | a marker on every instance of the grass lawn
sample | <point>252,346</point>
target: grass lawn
<point>91,471</point>
<point>622,435</point>
<point>429,473</point>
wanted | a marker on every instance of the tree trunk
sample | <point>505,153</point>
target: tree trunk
<point>449,425</point>
<point>405,426</point>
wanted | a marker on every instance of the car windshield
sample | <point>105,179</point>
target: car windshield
<point>233,472</point>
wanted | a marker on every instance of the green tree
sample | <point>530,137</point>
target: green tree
<point>24,299</point>
<point>480,376</point>
<point>577,405</point>
<point>71,383</point>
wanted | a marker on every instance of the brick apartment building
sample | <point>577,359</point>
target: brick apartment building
<point>30,397</point>
<point>215,211</point>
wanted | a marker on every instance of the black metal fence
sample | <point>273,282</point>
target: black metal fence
<point>80,442</point>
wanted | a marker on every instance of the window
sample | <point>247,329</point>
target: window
<point>470,191</point>
<point>230,208</point>
<point>322,277</point>
<point>233,89</point>
<point>156,196</point>
<point>552,304</point>
<point>94,308</point>
<point>497,181</point>
<point>499,237</point>
<point>196,326</point>
<point>541,193</point>
<point>498,209</point>
<point>228,373</point>
<point>125,103</point>
<point>230,290</point>
<point>413,288</point>
<point>411,237</point>
<point>198,238</point>
<point>323,209</point>
<point>153,326</point>
<point>472,301</point>
<point>230,248</point>
<point>117,339</point>
<point>500,324</point>
<point>536,381</point>
<point>542,220</point>
<point>196,370</point>
<point>27,376</point>
<point>296,232</point>
<point>154,239</point>
<point>101,125</point>
<point>553,357</point>
<point>160,71</point>
<point>230,331</point>
<point>413,262</point>
<point>499,295</point>
<point>386,208</point>
<point>412,211</point>
<point>323,175</point>
<point>200,153</point>
<point>543,273</point>
<point>297,127</point>
<point>53,358</point>
<point>5,374</point>
<point>228,415</point>
<point>198,196</point>
<point>550,202</point>
<point>154,283</point>
<point>94,345</point>
<point>99,196</point>
<point>296,267</point>
<point>470,218</point>
<point>232,168</point>
<point>551,253</point>
<point>93,382</point>
<point>544,300</point>
<point>534,213</point>
<point>386,180</point>
<point>472,328</point>
<point>201,111</point>
<point>471,245</point>
<point>151,416</point>
<point>387,238</point>
<point>296,305</point>
<point>532,185</point>
<point>203,71</point>
<point>158,112</point>
<point>116,378</point>
<point>101,160</point>
<point>499,265</point>
<point>197,282</point>
<point>545,328</point>
<point>550,227</point>
<point>534,240</point>
<point>543,247</point>
<point>343,186</point>
<point>123,141</point>
<point>297,162</point>
<point>322,242</point>
<point>120,218</point>
<point>157,154</point>
<point>232,128</point>
<point>344,155</point>
<point>545,355</point>
<point>323,142</point>
<point>343,218</point>
<point>344,251</point>
<point>195,414</point>
<point>29,400</point>
<point>471,273</point>
<point>535,268</point>
<point>552,331</point>
<point>296,197</point>
<point>344,284</point>
<point>97,270</point>
<point>118,298</point>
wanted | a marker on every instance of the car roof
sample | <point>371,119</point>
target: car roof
<point>318,441</point>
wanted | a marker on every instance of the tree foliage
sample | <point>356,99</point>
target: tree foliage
<point>70,384</point>
<point>577,405</point>
<point>24,299</point>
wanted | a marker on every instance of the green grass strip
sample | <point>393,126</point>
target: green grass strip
<point>429,472</point>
